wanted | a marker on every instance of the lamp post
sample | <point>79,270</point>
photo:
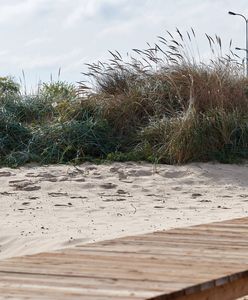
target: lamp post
<point>246,34</point>
<point>242,49</point>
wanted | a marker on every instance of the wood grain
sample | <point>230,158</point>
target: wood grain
<point>202,262</point>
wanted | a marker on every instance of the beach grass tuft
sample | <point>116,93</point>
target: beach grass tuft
<point>160,104</point>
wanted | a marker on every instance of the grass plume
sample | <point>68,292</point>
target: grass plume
<point>162,103</point>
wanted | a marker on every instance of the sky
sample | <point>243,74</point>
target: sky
<point>42,36</point>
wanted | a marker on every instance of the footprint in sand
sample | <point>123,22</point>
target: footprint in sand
<point>24,185</point>
<point>174,174</point>
<point>108,186</point>
<point>127,195</point>
<point>196,195</point>
<point>153,195</point>
<point>114,169</point>
<point>205,201</point>
<point>223,207</point>
<point>78,197</point>
<point>91,168</point>
<point>43,176</point>
<point>19,182</point>
<point>121,192</point>
<point>243,196</point>
<point>33,197</point>
<point>79,179</point>
<point>87,185</point>
<point>177,188</point>
<point>7,193</point>
<point>63,205</point>
<point>6,174</point>
<point>126,181</point>
<point>52,179</point>
<point>120,172</point>
<point>58,194</point>
<point>31,175</point>
<point>115,200</point>
<point>64,178</point>
<point>187,182</point>
<point>96,174</point>
<point>122,175</point>
<point>139,173</point>
<point>31,188</point>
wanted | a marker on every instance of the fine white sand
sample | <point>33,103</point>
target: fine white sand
<point>52,207</point>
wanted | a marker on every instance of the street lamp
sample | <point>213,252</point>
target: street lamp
<point>246,33</point>
<point>242,49</point>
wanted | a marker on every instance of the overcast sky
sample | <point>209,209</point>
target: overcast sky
<point>40,36</point>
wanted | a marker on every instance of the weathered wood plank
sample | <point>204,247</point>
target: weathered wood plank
<point>86,282</point>
<point>200,262</point>
<point>230,291</point>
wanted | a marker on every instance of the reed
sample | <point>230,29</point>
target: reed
<point>160,104</point>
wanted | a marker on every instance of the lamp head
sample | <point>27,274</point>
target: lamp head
<point>237,48</point>
<point>232,13</point>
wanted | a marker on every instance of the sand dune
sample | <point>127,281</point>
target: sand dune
<point>52,207</point>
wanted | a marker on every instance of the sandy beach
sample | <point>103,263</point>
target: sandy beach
<point>53,207</point>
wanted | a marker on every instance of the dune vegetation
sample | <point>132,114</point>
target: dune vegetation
<point>162,104</point>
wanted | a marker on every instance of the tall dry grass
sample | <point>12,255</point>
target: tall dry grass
<point>168,102</point>
<point>161,104</point>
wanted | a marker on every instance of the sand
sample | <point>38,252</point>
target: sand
<point>53,207</point>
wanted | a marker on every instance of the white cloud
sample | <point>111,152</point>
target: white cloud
<point>44,61</point>
<point>42,35</point>
<point>92,9</point>
<point>19,9</point>
<point>87,9</point>
<point>37,41</point>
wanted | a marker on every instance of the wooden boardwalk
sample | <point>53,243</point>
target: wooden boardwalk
<point>201,262</point>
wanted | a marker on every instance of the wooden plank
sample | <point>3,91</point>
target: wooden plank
<point>104,258</point>
<point>65,264</point>
<point>86,282</point>
<point>171,250</point>
<point>32,293</point>
<point>39,288</point>
<point>175,264</point>
<point>229,291</point>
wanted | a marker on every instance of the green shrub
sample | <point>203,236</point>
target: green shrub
<point>161,104</point>
<point>72,141</point>
<point>13,137</point>
<point>8,87</point>
<point>28,109</point>
<point>215,135</point>
<point>58,91</point>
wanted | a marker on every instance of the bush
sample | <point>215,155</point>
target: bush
<point>28,109</point>
<point>161,104</point>
<point>14,137</point>
<point>215,135</point>
<point>72,141</point>
<point>58,91</point>
<point>8,87</point>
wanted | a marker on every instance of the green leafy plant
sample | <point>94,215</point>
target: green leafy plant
<point>8,86</point>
